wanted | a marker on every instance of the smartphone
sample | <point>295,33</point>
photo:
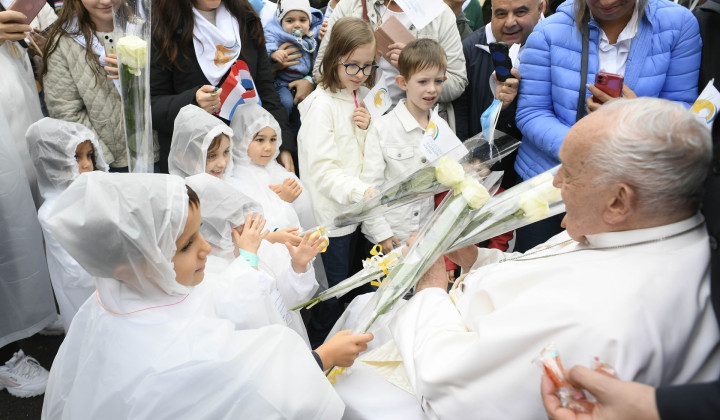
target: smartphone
<point>609,83</point>
<point>500,54</point>
<point>109,42</point>
<point>30,8</point>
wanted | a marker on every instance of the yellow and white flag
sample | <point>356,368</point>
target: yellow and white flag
<point>439,139</point>
<point>378,101</point>
<point>707,105</point>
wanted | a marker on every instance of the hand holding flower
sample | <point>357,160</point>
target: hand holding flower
<point>342,349</point>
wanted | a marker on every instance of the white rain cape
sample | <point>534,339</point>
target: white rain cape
<point>253,180</point>
<point>26,300</point>
<point>52,144</point>
<point>193,132</point>
<point>223,208</point>
<point>175,357</point>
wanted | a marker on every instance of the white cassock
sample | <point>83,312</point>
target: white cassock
<point>643,308</point>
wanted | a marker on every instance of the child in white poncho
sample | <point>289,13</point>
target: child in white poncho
<point>151,344</point>
<point>227,216</point>
<point>60,151</point>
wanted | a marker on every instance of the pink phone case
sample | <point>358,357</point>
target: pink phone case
<point>30,8</point>
<point>609,83</point>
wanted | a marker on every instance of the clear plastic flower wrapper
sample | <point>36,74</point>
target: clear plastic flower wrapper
<point>528,202</point>
<point>570,396</point>
<point>475,155</point>
<point>373,268</point>
<point>132,24</point>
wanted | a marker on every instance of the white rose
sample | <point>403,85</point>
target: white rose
<point>132,51</point>
<point>448,172</point>
<point>551,194</point>
<point>475,194</point>
<point>541,179</point>
<point>534,206</point>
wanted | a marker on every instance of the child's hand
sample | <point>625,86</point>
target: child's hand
<point>281,236</point>
<point>302,254</point>
<point>288,191</point>
<point>249,238</point>
<point>361,117</point>
<point>279,56</point>
<point>112,67</point>
<point>389,244</point>
<point>342,349</point>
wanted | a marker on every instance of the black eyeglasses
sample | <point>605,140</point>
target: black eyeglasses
<point>353,69</point>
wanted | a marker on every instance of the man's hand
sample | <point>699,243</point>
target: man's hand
<point>288,191</point>
<point>616,399</point>
<point>303,88</point>
<point>303,253</point>
<point>285,159</point>
<point>361,117</point>
<point>507,91</point>
<point>342,349</point>
<point>436,276</point>
<point>250,235</point>
<point>464,257</point>
<point>393,54</point>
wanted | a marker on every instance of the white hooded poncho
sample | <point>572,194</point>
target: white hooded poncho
<point>194,130</point>
<point>52,144</point>
<point>253,180</point>
<point>224,208</point>
<point>148,347</point>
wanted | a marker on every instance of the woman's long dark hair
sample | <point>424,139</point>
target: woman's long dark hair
<point>85,27</point>
<point>173,24</point>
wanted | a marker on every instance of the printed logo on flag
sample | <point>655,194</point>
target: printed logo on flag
<point>378,100</point>
<point>432,130</point>
<point>704,109</point>
<point>440,140</point>
<point>237,89</point>
<point>707,104</point>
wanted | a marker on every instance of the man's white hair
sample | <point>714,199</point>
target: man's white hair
<point>658,148</point>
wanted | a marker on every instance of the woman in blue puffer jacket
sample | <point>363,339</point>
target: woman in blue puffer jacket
<point>655,44</point>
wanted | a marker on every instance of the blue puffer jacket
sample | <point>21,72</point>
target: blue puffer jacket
<point>664,62</point>
<point>275,36</point>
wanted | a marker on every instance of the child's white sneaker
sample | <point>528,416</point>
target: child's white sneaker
<point>56,328</point>
<point>23,376</point>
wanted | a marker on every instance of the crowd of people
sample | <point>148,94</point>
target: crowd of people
<point>175,289</point>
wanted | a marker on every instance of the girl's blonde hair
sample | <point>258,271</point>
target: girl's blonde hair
<point>347,35</point>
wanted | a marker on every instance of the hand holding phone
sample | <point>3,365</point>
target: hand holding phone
<point>30,8</point>
<point>609,83</point>
<point>500,54</point>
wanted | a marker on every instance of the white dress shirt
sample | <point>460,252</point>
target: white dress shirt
<point>613,57</point>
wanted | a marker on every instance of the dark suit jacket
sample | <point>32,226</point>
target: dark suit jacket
<point>702,401</point>
<point>172,89</point>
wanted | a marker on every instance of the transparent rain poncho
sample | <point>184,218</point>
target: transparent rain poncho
<point>132,222</point>
<point>194,130</point>
<point>52,144</point>
<point>253,179</point>
<point>224,208</point>
<point>148,347</point>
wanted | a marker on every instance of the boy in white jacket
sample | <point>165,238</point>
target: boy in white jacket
<point>392,146</point>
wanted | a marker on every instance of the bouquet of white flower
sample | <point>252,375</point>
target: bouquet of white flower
<point>528,202</point>
<point>132,23</point>
<point>475,155</point>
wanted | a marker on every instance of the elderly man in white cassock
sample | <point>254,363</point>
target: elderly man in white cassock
<point>627,282</point>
